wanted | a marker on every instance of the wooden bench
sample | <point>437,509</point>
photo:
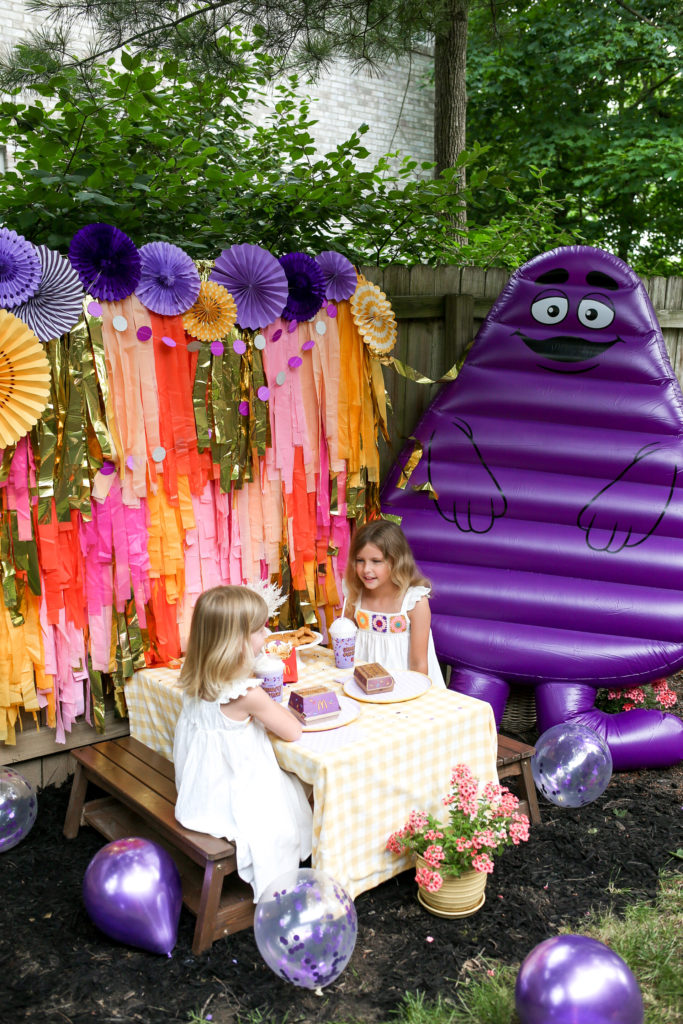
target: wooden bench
<point>141,802</point>
<point>514,761</point>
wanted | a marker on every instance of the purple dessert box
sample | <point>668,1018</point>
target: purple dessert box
<point>313,702</point>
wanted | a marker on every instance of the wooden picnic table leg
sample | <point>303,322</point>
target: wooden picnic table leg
<point>212,887</point>
<point>529,787</point>
<point>72,821</point>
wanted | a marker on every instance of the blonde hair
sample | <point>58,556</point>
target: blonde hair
<point>391,541</point>
<point>219,647</point>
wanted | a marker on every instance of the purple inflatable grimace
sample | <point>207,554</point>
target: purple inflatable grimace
<point>546,508</point>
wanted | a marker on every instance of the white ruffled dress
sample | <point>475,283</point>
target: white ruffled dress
<point>230,785</point>
<point>385,637</point>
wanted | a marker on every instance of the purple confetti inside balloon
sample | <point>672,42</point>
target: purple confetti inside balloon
<point>18,808</point>
<point>132,892</point>
<point>107,468</point>
<point>295,361</point>
<point>572,978</point>
<point>263,393</point>
<point>217,348</point>
<point>306,933</point>
<point>144,333</point>
<point>277,334</point>
<point>243,408</point>
<point>239,346</point>
<point>308,345</point>
<point>572,765</point>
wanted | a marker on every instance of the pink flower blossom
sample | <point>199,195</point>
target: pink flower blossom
<point>483,863</point>
<point>434,855</point>
<point>429,880</point>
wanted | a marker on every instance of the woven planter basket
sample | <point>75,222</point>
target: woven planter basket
<point>520,710</point>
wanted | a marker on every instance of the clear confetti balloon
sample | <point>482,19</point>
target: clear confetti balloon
<point>18,808</point>
<point>305,927</point>
<point>572,979</point>
<point>572,765</point>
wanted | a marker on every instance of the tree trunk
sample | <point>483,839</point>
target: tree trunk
<point>450,89</point>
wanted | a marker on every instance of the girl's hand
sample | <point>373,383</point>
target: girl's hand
<point>275,717</point>
<point>420,623</point>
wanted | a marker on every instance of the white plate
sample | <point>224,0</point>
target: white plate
<point>407,686</point>
<point>349,713</point>
<point>299,647</point>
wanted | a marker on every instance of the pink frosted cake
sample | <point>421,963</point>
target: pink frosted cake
<point>313,702</point>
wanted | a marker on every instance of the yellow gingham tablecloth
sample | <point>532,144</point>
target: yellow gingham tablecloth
<point>366,776</point>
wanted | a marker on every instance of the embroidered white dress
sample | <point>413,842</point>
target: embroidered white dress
<point>230,785</point>
<point>385,637</point>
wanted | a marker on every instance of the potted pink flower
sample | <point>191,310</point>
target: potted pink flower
<point>455,857</point>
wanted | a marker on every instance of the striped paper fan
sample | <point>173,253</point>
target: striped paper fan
<point>58,304</point>
<point>24,379</point>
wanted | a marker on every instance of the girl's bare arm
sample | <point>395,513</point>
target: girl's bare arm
<point>420,623</point>
<point>276,718</point>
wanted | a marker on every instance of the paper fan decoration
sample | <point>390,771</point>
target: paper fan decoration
<point>341,279</point>
<point>58,304</point>
<point>255,280</point>
<point>24,379</point>
<point>19,268</point>
<point>213,313</point>
<point>169,280</point>
<point>106,261</point>
<point>374,318</point>
<point>305,284</point>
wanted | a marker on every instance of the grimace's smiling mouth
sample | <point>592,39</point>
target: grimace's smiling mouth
<point>564,348</point>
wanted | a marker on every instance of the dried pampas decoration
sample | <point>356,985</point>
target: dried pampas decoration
<point>271,594</point>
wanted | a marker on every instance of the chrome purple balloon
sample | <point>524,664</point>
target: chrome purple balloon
<point>571,979</point>
<point>546,507</point>
<point>572,765</point>
<point>132,892</point>
<point>18,808</point>
<point>305,927</point>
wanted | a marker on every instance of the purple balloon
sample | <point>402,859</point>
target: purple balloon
<point>132,892</point>
<point>570,979</point>
<point>305,927</point>
<point>545,508</point>
<point>572,765</point>
<point>18,808</point>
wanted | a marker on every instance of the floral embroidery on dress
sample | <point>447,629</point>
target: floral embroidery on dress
<point>362,619</point>
<point>379,623</point>
<point>398,624</point>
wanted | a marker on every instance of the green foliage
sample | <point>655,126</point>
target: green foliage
<point>593,93</point>
<point>165,154</point>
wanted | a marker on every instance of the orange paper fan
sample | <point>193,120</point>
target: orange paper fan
<point>24,379</point>
<point>213,314</point>
<point>374,318</point>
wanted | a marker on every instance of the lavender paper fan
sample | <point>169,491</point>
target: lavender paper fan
<point>306,286</point>
<point>169,280</point>
<point>255,280</point>
<point>340,275</point>
<point>58,304</point>
<point>106,261</point>
<point>19,268</point>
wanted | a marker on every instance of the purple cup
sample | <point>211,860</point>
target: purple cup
<point>343,635</point>
<point>271,671</point>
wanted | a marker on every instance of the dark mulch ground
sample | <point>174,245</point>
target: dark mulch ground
<point>58,969</point>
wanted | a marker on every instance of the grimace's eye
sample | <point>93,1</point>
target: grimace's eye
<point>596,312</point>
<point>550,309</point>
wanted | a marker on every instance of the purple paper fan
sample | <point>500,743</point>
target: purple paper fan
<point>255,280</point>
<point>306,283</point>
<point>106,261</point>
<point>340,275</point>
<point>57,306</point>
<point>169,280</point>
<point>19,269</point>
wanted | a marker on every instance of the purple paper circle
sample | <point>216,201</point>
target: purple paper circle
<point>263,393</point>
<point>243,408</point>
<point>295,361</point>
<point>159,454</point>
<point>94,309</point>
<point>107,468</point>
<point>217,348</point>
<point>277,335</point>
<point>308,345</point>
<point>293,324</point>
<point>144,333</point>
<point>331,310</point>
<point>239,346</point>
<point>130,462</point>
<point>168,341</point>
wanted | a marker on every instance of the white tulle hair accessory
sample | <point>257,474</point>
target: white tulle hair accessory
<point>271,594</point>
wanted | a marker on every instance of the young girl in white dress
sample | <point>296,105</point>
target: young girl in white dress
<point>386,595</point>
<point>228,779</point>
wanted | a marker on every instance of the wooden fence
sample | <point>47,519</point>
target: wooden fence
<point>439,311</point>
